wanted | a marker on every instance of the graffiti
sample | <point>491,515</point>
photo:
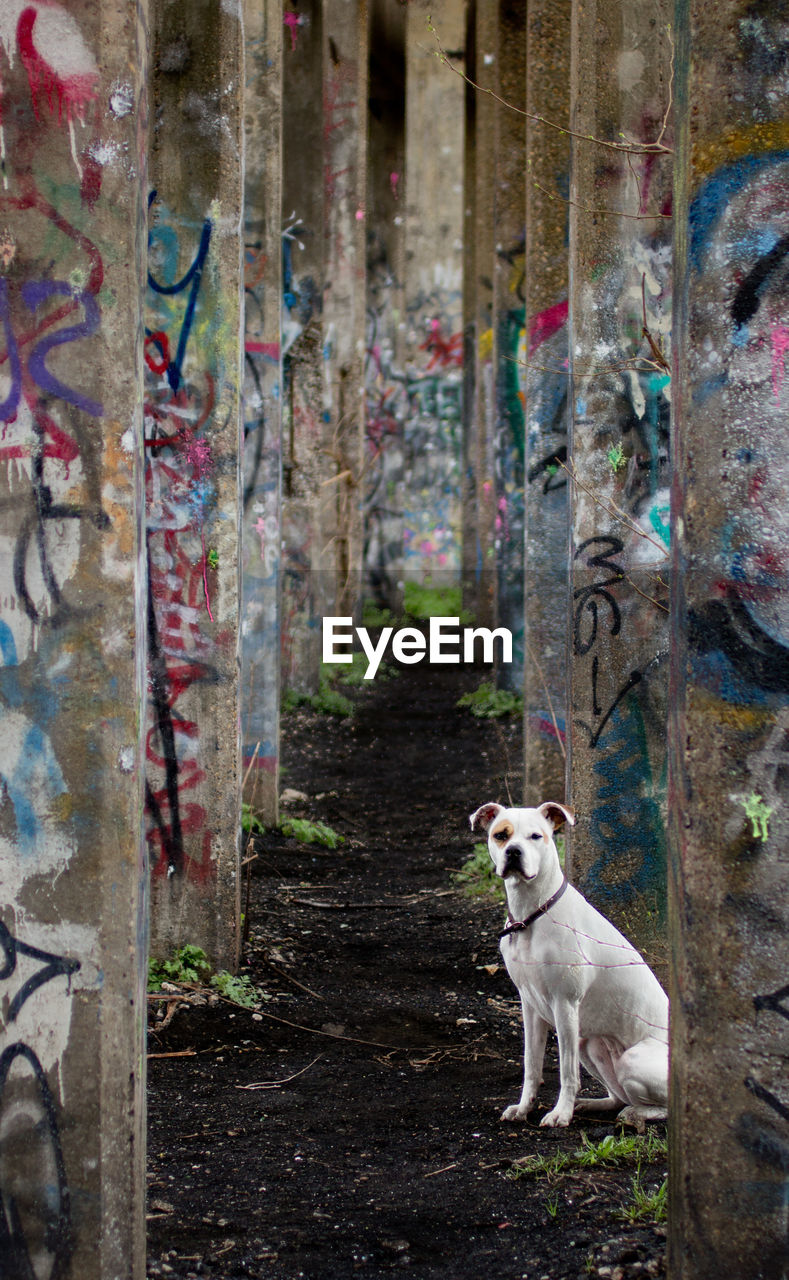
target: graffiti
<point>35,1223</point>
<point>180,495</point>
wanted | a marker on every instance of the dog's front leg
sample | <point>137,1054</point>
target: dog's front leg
<point>535,1034</point>
<point>567,1022</point>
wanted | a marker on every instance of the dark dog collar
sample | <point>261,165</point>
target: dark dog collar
<point>514,926</point>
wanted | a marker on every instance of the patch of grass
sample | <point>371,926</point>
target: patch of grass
<point>488,703</point>
<point>188,964</point>
<point>477,876</point>
<point>613,1149</point>
<point>645,1205</point>
<point>250,822</point>
<point>307,832</point>
<point>552,1206</point>
<point>423,601</point>
<point>373,616</point>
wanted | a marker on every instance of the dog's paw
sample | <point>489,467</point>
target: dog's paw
<point>516,1112</point>
<point>559,1118</point>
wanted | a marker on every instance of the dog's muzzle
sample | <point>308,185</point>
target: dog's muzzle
<point>513,864</point>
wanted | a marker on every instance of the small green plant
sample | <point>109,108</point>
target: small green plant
<point>477,876</point>
<point>423,600</point>
<point>616,456</point>
<point>373,616</point>
<point>250,822</point>
<point>328,701</point>
<point>188,964</point>
<point>552,1206</point>
<point>645,1205</point>
<point>488,703</point>
<point>239,989</point>
<point>352,673</point>
<point>307,832</point>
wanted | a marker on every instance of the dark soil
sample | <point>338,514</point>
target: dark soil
<point>350,1127</point>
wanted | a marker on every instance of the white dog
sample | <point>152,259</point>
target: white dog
<point>576,972</point>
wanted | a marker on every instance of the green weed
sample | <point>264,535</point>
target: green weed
<point>307,832</point>
<point>477,876</point>
<point>240,990</point>
<point>616,456</point>
<point>488,703</point>
<point>645,1205</point>
<point>552,1206</point>
<point>613,1149</point>
<point>422,601</point>
<point>327,701</point>
<point>188,964</point>
<point>352,673</point>
<point>250,822</point>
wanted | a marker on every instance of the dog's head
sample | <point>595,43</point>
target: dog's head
<point>520,841</point>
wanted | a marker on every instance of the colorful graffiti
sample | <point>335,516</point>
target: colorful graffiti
<point>181,495</point>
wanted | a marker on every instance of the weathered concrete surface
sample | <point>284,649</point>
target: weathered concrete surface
<point>345,79</point>
<point>730,1025</point>
<point>192,437</point>
<point>385,380</point>
<point>433,267</point>
<point>72,636</point>
<point>480,579</point>
<point>621,286</point>
<point>261,555</point>
<point>508,327</point>
<point>324,127</point>
<point>542,370</point>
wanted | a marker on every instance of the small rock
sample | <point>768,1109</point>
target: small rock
<point>291,796</point>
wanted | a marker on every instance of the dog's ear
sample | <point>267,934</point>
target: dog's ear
<point>485,815</point>
<point>556,814</point>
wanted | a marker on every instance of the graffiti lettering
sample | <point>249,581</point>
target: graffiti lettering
<point>52,967</point>
<point>35,292</point>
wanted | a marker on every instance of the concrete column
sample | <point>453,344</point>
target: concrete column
<point>434,355</point>
<point>729,1142</point>
<point>620,316</point>
<point>192,440</point>
<point>509,284</point>
<point>482,55</point>
<point>385,382</point>
<point>72,638</point>
<point>323,193</point>
<point>261,535</point>
<point>345,77</point>
<point>543,371</point>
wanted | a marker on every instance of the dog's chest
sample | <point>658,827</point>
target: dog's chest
<point>541,973</point>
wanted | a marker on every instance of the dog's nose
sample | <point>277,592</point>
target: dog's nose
<point>512,859</point>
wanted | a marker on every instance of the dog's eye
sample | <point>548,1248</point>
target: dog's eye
<point>536,835</point>
<point>501,836</point>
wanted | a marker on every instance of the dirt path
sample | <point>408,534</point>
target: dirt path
<point>350,1126</point>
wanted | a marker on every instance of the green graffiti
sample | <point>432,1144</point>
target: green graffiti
<point>758,812</point>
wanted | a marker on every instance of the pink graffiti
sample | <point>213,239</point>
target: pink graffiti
<point>546,323</point>
<point>394,179</point>
<point>780,342</point>
<point>268,349</point>
<point>292,21</point>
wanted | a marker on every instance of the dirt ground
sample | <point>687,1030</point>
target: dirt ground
<point>350,1126</point>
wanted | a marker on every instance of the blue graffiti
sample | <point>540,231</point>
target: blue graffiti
<point>168,240</point>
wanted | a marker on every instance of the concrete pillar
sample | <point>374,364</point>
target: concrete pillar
<point>509,284</point>
<point>192,440</point>
<point>434,355</point>
<point>72,638</point>
<point>543,370</point>
<point>261,535</point>
<point>480,579</point>
<point>385,382</point>
<point>323,191</point>
<point>620,316</point>
<point>729,1142</point>
<point>345,79</point>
